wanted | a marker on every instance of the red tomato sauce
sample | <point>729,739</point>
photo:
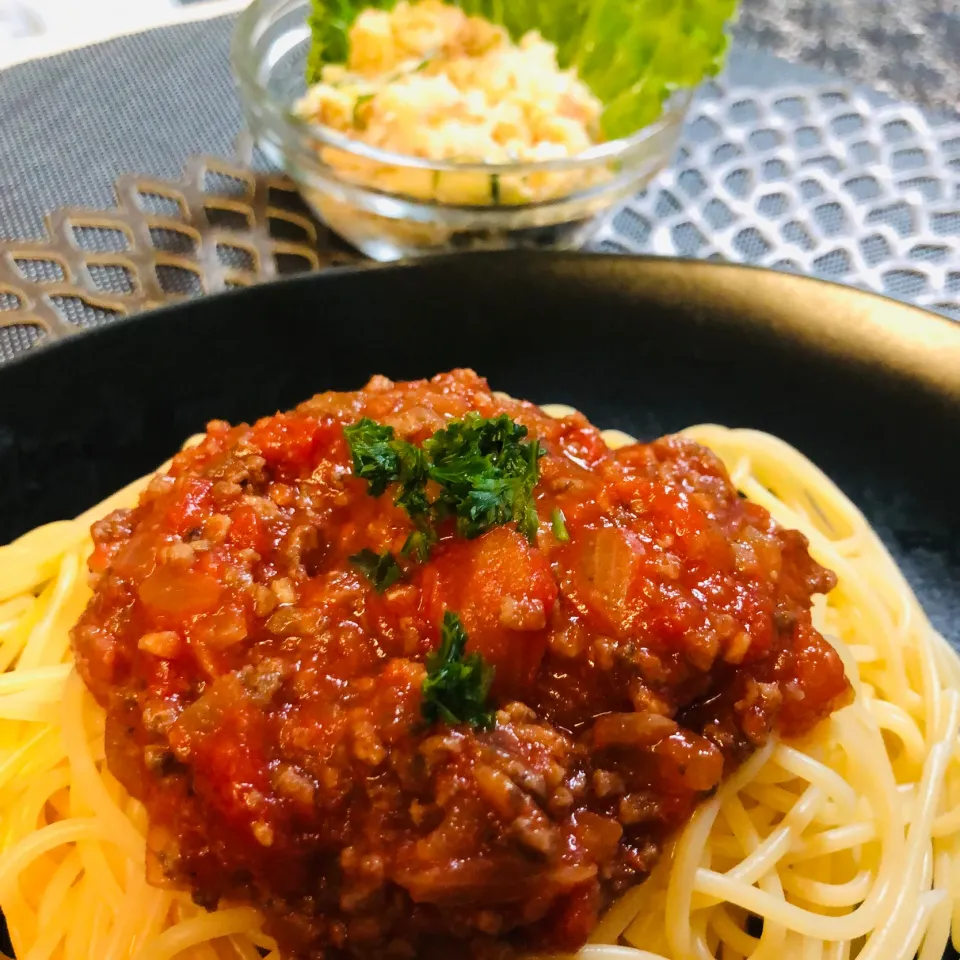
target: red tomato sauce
<point>264,701</point>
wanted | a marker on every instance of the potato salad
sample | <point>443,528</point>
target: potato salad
<point>425,80</point>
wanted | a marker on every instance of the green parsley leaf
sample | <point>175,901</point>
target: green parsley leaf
<point>419,544</point>
<point>381,569</point>
<point>381,460</point>
<point>632,55</point>
<point>456,687</point>
<point>374,457</point>
<point>486,473</point>
<point>484,468</point>
<point>560,526</point>
<point>413,474</point>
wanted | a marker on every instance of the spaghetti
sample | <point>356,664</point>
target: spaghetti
<point>843,844</point>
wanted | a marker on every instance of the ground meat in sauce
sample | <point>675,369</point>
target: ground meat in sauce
<point>264,701</point>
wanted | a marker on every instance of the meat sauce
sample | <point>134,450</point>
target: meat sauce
<point>264,700</point>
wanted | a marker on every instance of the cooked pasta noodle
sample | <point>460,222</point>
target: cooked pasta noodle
<point>844,844</point>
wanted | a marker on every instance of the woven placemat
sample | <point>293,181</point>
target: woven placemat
<point>221,225</point>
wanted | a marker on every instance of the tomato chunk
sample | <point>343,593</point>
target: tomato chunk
<point>504,592</point>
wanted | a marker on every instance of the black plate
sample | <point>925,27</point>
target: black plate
<point>868,388</point>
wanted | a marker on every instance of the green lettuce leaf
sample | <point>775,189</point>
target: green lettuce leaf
<point>631,53</point>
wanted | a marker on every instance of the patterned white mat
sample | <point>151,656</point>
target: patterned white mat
<point>823,180</point>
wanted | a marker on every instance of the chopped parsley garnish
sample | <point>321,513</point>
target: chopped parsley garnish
<point>381,569</point>
<point>484,471</point>
<point>374,455</point>
<point>559,524</point>
<point>457,685</point>
<point>418,545</point>
<point>412,475</point>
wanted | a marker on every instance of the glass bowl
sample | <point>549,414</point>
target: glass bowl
<point>391,205</point>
